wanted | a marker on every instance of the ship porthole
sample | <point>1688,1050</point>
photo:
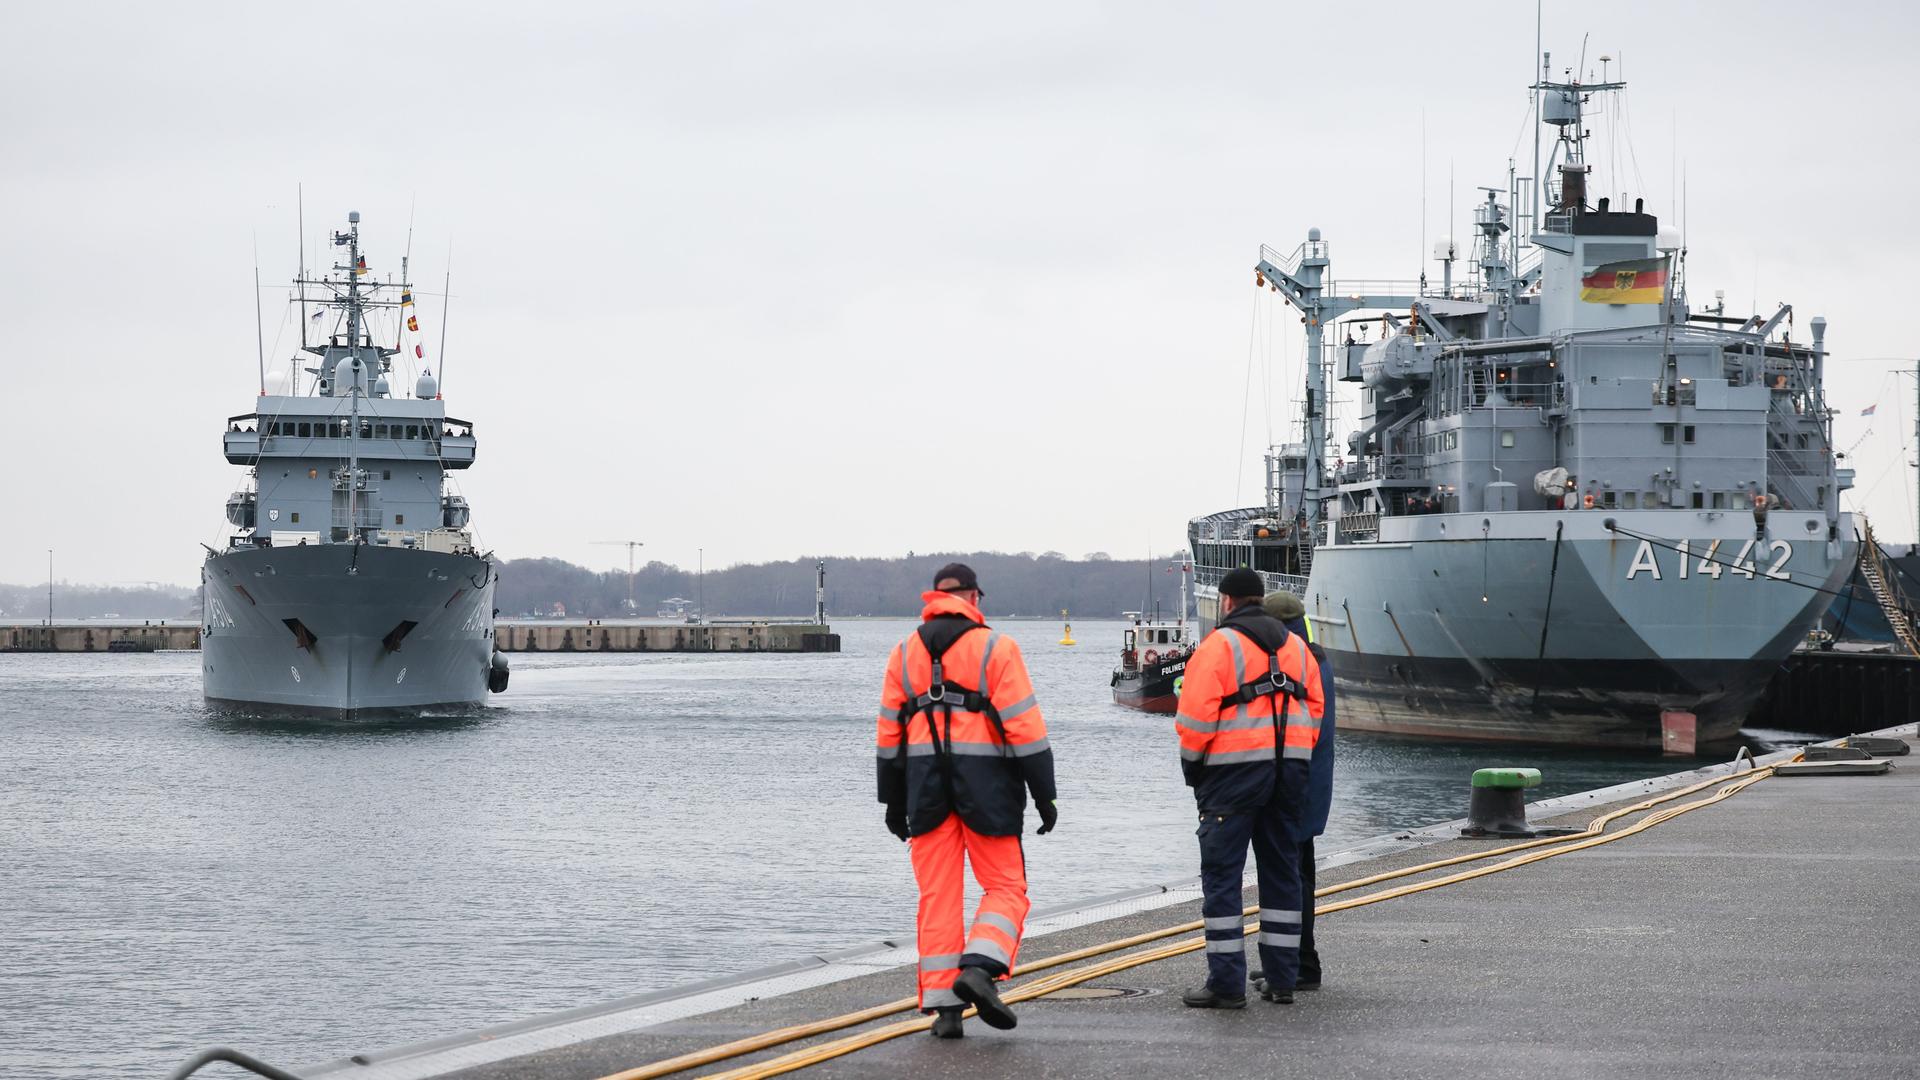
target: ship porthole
<point>296,672</point>
<point>400,678</point>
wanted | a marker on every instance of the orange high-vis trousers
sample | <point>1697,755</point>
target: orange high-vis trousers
<point>945,947</point>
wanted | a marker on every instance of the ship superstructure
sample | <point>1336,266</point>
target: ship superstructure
<point>349,581</point>
<point>1570,503</point>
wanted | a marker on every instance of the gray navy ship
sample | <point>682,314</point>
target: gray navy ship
<point>349,585</point>
<point>1573,509</point>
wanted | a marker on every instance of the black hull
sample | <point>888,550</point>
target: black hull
<point>1610,703</point>
<point>1152,687</point>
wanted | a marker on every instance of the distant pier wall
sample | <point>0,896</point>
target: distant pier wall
<point>669,638</point>
<point>98,637</point>
<point>509,637</point>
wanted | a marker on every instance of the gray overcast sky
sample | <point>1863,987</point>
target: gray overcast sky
<point>787,279</point>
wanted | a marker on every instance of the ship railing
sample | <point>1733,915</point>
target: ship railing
<point>1292,583</point>
<point>1290,263</point>
<point>1360,526</point>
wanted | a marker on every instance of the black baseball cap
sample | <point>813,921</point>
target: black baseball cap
<point>1242,584</point>
<point>961,573</point>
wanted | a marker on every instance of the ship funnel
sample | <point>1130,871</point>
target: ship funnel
<point>353,217</point>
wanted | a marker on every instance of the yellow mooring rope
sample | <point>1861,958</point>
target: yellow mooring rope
<point>1535,850</point>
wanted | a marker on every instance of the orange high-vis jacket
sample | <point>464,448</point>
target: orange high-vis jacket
<point>977,750</point>
<point>1233,745</point>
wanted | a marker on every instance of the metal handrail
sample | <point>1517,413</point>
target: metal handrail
<point>231,1057</point>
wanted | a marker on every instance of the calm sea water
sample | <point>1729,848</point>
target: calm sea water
<point>172,878</point>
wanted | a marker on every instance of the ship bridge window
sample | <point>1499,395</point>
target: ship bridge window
<point>413,431</point>
<point>306,430</point>
<point>1719,500</point>
<point>1666,434</point>
<point>379,431</point>
<point>1686,433</point>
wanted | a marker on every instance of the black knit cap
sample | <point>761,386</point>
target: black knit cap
<point>961,573</point>
<point>1242,584</point>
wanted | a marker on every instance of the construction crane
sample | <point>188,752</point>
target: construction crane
<point>631,546</point>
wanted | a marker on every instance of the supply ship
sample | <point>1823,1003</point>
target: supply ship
<point>1573,509</point>
<point>349,584</point>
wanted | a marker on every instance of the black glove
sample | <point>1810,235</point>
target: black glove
<point>1049,813</point>
<point>897,819</point>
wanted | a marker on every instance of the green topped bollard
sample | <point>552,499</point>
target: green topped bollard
<point>1498,806</point>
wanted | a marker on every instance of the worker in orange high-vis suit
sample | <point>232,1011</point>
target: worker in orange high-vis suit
<point>960,746</point>
<point>1250,709</point>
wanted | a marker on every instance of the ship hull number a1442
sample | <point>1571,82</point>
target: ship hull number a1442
<point>1752,559</point>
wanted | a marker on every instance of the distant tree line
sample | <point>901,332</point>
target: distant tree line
<point>1018,584</point>
<point>28,603</point>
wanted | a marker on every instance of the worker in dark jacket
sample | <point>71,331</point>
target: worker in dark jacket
<point>1250,708</point>
<point>1319,796</point>
<point>961,744</point>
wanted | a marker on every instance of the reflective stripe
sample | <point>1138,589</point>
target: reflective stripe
<point>939,999</point>
<point>978,749</point>
<point>1234,946</point>
<point>1237,757</point>
<point>1243,722</point>
<point>988,948</point>
<point>1018,708</point>
<point>1239,660</point>
<point>906,683</point>
<point>1223,922</point>
<point>1028,749</point>
<point>1307,625</point>
<point>986,654</point>
<point>1297,753</point>
<point>1190,755</point>
<point>921,749</point>
<point>1284,941</point>
<point>943,962</point>
<point>999,922</point>
<point>1268,914</point>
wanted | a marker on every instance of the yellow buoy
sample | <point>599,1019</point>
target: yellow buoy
<point>1066,635</point>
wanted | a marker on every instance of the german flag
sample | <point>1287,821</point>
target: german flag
<point>1640,281</point>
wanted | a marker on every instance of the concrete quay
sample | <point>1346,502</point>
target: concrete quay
<point>518,636</point>
<point>98,637</point>
<point>1765,935</point>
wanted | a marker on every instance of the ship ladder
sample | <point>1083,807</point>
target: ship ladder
<point>1887,593</point>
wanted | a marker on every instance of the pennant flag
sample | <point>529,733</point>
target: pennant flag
<point>316,315</point>
<point>406,297</point>
<point>1868,411</point>
<point>413,324</point>
<point>1639,281</point>
<point>419,352</point>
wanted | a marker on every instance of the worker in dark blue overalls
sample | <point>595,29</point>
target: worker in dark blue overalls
<point>1319,794</point>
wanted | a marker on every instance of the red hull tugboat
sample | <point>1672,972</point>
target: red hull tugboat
<point>1152,662</point>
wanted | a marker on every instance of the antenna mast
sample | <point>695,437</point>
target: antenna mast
<point>259,333</point>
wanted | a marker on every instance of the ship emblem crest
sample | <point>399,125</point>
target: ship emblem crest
<point>1623,279</point>
<point>273,515</point>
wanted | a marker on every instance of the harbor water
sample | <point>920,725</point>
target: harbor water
<point>178,877</point>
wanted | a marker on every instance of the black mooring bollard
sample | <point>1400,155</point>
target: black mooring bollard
<point>1498,806</point>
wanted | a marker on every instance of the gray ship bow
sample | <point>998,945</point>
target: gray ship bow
<point>349,584</point>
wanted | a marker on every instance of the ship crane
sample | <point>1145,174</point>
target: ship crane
<point>631,546</point>
<point>1303,281</point>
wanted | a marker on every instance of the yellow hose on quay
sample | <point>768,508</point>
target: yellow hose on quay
<point>1537,849</point>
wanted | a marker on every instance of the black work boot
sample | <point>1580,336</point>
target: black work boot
<point>946,1022</point>
<point>975,987</point>
<point>1206,997</point>
<point>1278,997</point>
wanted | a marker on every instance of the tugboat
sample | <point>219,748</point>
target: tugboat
<point>1154,651</point>
<point>1153,659</point>
<point>1573,508</point>
<point>350,584</point>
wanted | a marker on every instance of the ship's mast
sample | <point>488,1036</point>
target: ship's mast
<point>354,372</point>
